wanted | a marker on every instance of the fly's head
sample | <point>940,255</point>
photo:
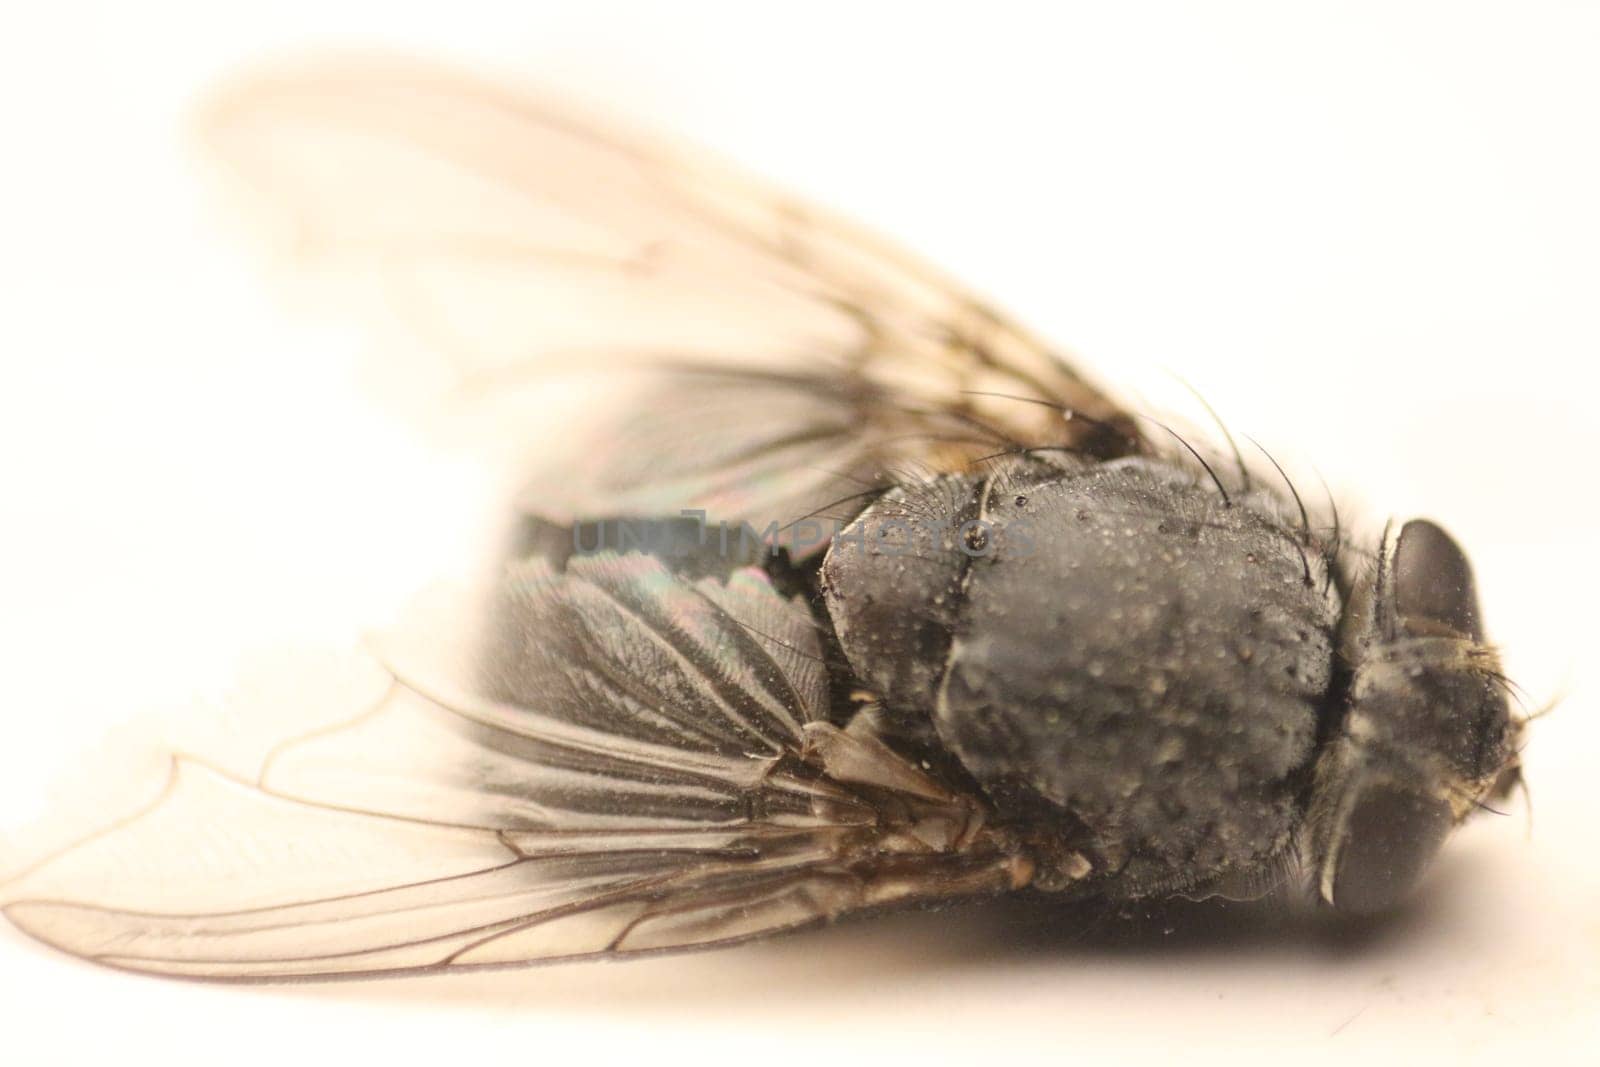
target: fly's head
<point>1425,732</point>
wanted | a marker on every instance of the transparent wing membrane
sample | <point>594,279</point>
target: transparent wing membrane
<point>623,766</point>
<point>517,241</point>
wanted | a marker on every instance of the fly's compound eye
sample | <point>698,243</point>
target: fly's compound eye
<point>1433,595</point>
<point>1388,838</point>
<point>1432,586</point>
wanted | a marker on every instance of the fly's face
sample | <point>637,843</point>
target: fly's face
<point>1425,731</point>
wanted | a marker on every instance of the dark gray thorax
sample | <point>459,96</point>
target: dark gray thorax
<point>1116,647</point>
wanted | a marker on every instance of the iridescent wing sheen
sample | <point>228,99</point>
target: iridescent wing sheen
<point>807,356</point>
<point>625,760</point>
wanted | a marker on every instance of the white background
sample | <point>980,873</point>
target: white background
<point>1367,232</point>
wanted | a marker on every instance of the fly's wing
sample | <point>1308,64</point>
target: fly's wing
<point>626,760</point>
<point>808,356</point>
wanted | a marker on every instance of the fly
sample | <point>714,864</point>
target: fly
<point>898,605</point>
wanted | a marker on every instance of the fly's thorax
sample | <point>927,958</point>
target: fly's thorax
<point>1142,655</point>
<point>1424,728</point>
